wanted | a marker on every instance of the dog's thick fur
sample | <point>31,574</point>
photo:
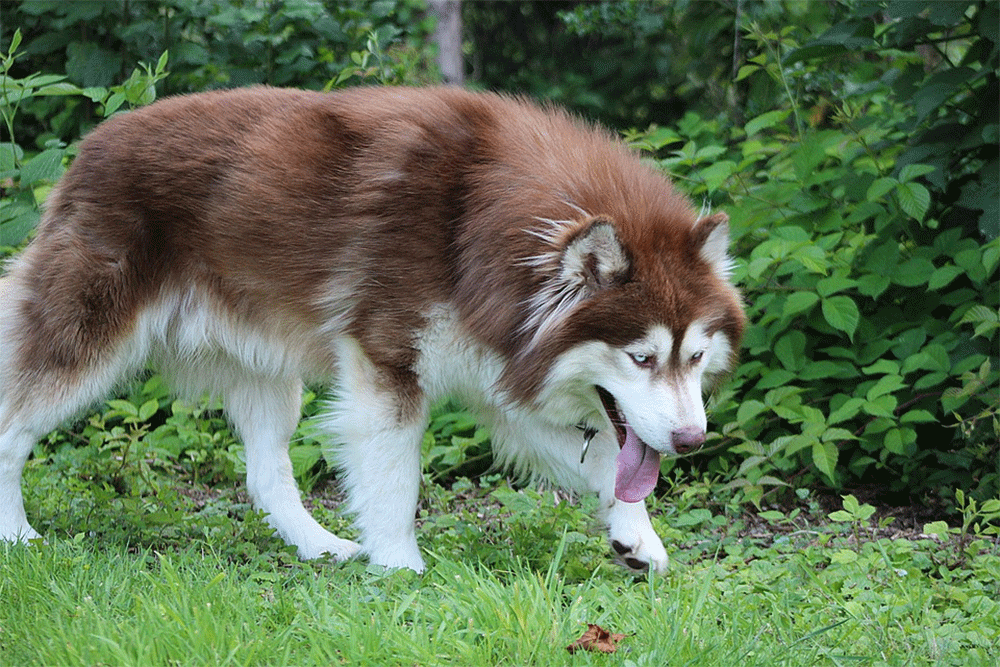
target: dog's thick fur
<point>398,245</point>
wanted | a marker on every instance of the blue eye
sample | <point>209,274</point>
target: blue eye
<point>643,360</point>
<point>697,356</point>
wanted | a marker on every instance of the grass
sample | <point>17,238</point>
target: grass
<point>146,565</point>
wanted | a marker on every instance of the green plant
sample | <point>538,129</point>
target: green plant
<point>978,532</point>
<point>869,269</point>
<point>32,175</point>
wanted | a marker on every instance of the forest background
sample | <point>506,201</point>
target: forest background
<point>854,145</point>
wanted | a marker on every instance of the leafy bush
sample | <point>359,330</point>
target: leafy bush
<point>28,176</point>
<point>865,216</point>
<point>302,43</point>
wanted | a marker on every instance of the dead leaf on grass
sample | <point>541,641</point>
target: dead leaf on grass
<point>596,638</point>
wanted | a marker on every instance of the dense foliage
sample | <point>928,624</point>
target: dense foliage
<point>854,145</point>
<point>866,213</point>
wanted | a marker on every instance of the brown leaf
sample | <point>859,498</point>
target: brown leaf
<point>596,638</point>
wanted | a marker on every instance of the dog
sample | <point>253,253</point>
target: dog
<point>397,245</point>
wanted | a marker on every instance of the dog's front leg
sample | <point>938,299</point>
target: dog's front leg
<point>379,453</point>
<point>633,538</point>
<point>629,529</point>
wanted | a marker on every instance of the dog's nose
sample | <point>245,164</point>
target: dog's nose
<point>687,440</point>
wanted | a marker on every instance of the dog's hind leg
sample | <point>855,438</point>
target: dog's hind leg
<point>15,446</point>
<point>39,390</point>
<point>265,412</point>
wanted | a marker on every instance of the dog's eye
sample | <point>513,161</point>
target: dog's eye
<point>643,360</point>
<point>697,356</point>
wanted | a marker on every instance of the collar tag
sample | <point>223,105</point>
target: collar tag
<point>588,434</point>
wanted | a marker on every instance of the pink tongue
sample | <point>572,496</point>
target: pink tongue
<point>638,469</point>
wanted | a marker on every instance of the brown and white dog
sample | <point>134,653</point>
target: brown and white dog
<point>398,245</point>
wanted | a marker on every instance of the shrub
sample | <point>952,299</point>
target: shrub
<point>865,217</point>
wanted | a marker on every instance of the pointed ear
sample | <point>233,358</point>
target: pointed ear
<point>711,239</point>
<point>594,259</point>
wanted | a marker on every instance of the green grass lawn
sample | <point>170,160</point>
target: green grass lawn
<point>191,577</point>
<point>154,557</point>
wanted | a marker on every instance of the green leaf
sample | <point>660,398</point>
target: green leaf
<point>64,88</point>
<point>882,367</point>
<point>748,410</point>
<point>937,528</point>
<point>913,272</point>
<point>113,103</point>
<point>837,434</point>
<point>829,286</point>
<point>148,409</point>
<point>824,368</point>
<point>851,504</point>
<point>10,154</point>
<point>798,302</point>
<point>813,258</point>
<point>887,384</point>
<point>913,171</point>
<point>843,556</point>
<point>894,441</point>
<point>938,359</point>
<point>841,313</point>
<point>746,71</point>
<point>304,458</point>
<point>46,167</point>
<point>790,350</point>
<point>914,199</point>
<point>848,410</point>
<point>825,458</point>
<point>917,417</point>
<point>943,275</point>
<point>986,319</point>
<point>970,259</point>
<point>883,406</point>
<point>879,188</point>
<point>717,174</point>
<point>873,284</point>
<point>765,120</point>
<point>775,378</point>
<point>124,407</point>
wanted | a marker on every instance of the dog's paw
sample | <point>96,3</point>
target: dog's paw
<point>633,539</point>
<point>19,533</point>
<point>396,556</point>
<point>640,559</point>
<point>329,545</point>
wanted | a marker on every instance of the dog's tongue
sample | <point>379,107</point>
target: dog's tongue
<point>638,469</point>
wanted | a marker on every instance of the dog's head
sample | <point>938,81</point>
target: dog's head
<point>631,327</point>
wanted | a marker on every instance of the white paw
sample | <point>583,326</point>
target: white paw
<point>632,537</point>
<point>397,556</point>
<point>328,545</point>
<point>640,557</point>
<point>20,533</point>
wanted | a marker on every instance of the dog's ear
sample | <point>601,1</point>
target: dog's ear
<point>711,240</point>
<point>585,258</point>
<point>594,259</point>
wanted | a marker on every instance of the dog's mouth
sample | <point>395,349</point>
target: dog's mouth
<point>638,463</point>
